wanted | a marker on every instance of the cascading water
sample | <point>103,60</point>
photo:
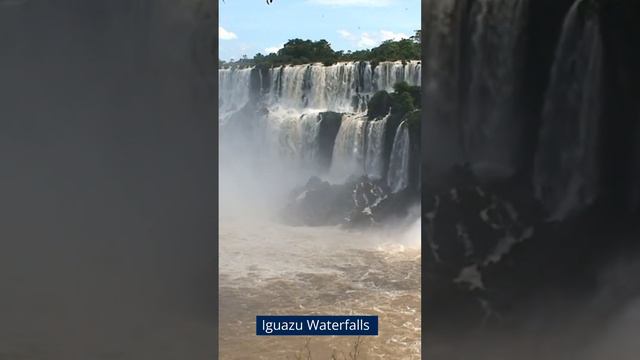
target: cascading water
<point>566,168</point>
<point>236,85</point>
<point>398,176</point>
<point>349,148</point>
<point>288,130</point>
<point>443,28</point>
<point>303,121</point>
<point>374,159</point>
<point>290,99</point>
<point>296,136</point>
<point>337,87</point>
<point>492,126</point>
<point>387,74</point>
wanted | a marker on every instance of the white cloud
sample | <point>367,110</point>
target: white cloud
<point>369,40</point>
<point>224,34</point>
<point>364,3</point>
<point>366,41</point>
<point>345,34</point>
<point>273,49</point>
<point>390,35</point>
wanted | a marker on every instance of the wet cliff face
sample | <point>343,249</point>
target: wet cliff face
<point>531,128</point>
<point>333,121</point>
<point>622,111</point>
<point>487,67</point>
<point>498,73</point>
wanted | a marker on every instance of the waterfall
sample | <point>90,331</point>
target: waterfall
<point>339,87</point>
<point>443,22</point>
<point>298,137</point>
<point>282,122</point>
<point>290,136</point>
<point>566,168</point>
<point>317,86</point>
<point>374,159</point>
<point>342,87</point>
<point>349,148</point>
<point>387,74</point>
<point>443,29</point>
<point>474,85</point>
<point>398,176</point>
<point>234,89</point>
<point>492,127</point>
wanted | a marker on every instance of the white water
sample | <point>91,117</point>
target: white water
<point>294,97</point>
<point>374,159</point>
<point>269,268</point>
<point>398,177</point>
<point>566,168</point>
<point>236,86</point>
<point>349,148</point>
<point>387,74</point>
<point>333,87</point>
<point>495,57</point>
<point>294,135</point>
<point>315,86</point>
<point>318,86</point>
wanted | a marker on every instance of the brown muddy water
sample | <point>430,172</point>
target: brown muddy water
<point>273,269</point>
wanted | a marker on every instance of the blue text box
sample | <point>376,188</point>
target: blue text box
<point>317,325</point>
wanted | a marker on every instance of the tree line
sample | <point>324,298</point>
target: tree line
<point>298,52</point>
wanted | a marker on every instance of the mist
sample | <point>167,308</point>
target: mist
<point>282,126</point>
<point>572,334</point>
<point>254,181</point>
<point>303,170</point>
<point>599,323</point>
<point>109,186</point>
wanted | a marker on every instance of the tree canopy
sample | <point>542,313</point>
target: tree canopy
<point>298,51</point>
<point>404,99</point>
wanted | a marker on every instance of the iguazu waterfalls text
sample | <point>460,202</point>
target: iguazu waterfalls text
<point>317,325</point>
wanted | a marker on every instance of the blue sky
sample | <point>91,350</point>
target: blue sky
<point>248,27</point>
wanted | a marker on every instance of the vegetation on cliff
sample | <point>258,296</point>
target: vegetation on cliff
<point>298,51</point>
<point>404,99</point>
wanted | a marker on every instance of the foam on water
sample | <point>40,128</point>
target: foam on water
<point>270,268</point>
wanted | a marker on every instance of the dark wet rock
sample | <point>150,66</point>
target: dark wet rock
<point>358,203</point>
<point>318,203</point>
<point>415,140</point>
<point>474,235</point>
<point>489,251</point>
<point>366,196</point>
<point>379,105</point>
<point>464,149</point>
<point>329,126</point>
<point>242,122</point>
<point>375,205</point>
<point>393,206</point>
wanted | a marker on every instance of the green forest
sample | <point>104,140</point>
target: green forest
<point>298,52</point>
